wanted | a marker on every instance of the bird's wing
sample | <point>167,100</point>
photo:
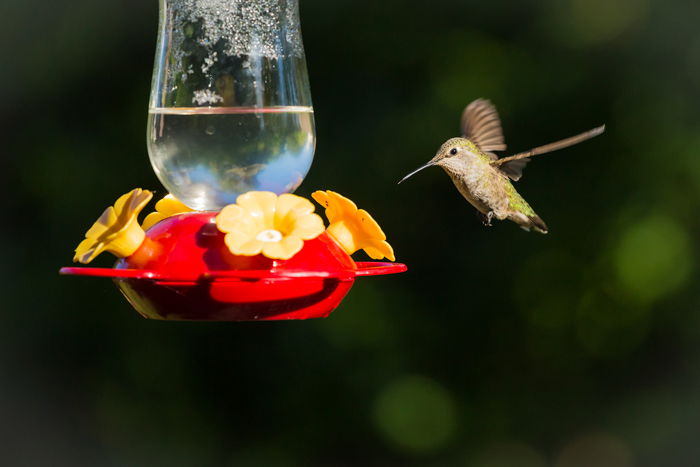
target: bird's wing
<point>513,169</point>
<point>481,125</point>
<point>512,166</point>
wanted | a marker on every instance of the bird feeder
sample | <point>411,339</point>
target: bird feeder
<point>231,135</point>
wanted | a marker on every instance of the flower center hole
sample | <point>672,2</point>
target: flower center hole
<point>270,235</point>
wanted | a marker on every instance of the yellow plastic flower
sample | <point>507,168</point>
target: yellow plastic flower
<point>168,206</point>
<point>117,230</point>
<point>353,228</point>
<point>262,222</point>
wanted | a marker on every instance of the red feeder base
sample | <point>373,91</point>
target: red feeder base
<point>183,271</point>
<point>235,300</point>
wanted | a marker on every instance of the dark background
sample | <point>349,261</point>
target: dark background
<point>498,348</point>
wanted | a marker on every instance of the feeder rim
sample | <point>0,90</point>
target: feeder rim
<point>364,268</point>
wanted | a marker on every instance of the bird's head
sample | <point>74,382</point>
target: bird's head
<point>453,153</point>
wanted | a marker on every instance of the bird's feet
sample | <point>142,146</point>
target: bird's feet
<point>486,218</point>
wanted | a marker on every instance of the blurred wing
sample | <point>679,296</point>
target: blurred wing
<point>512,166</point>
<point>481,125</point>
<point>514,169</point>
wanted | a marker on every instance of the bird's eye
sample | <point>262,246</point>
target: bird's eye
<point>453,151</point>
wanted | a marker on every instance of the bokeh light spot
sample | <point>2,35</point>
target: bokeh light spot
<point>599,450</point>
<point>653,259</point>
<point>349,328</point>
<point>416,413</point>
<point>607,327</point>
<point>546,289</point>
<point>590,22</point>
<point>458,81</point>
<point>508,454</point>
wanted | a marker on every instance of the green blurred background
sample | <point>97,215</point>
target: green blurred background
<point>498,348</point>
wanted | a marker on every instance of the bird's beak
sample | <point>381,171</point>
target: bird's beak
<point>418,170</point>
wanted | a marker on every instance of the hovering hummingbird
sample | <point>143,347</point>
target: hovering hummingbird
<point>481,177</point>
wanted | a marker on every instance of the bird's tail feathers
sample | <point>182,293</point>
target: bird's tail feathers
<point>537,224</point>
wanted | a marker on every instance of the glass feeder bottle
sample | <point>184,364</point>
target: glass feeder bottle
<point>230,108</point>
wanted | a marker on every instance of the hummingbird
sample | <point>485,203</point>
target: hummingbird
<point>482,177</point>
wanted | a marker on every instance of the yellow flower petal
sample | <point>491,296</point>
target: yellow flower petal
<point>235,240</point>
<point>307,227</point>
<point>169,206</point>
<point>233,219</point>
<point>284,249</point>
<point>229,218</point>
<point>262,222</point>
<point>343,206</point>
<point>342,232</point>
<point>132,202</point>
<point>87,250</point>
<point>353,228</point>
<point>369,226</point>
<point>106,221</point>
<point>288,202</point>
<point>123,202</point>
<point>378,249</point>
<point>128,240</point>
<point>151,220</point>
<point>289,208</point>
<point>259,205</point>
<point>243,244</point>
<point>116,230</point>
<point>321,198</point>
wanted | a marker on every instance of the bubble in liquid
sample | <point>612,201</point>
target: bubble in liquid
<point>248,28</point>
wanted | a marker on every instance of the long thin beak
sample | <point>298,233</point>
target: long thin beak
<point>417,170</point>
